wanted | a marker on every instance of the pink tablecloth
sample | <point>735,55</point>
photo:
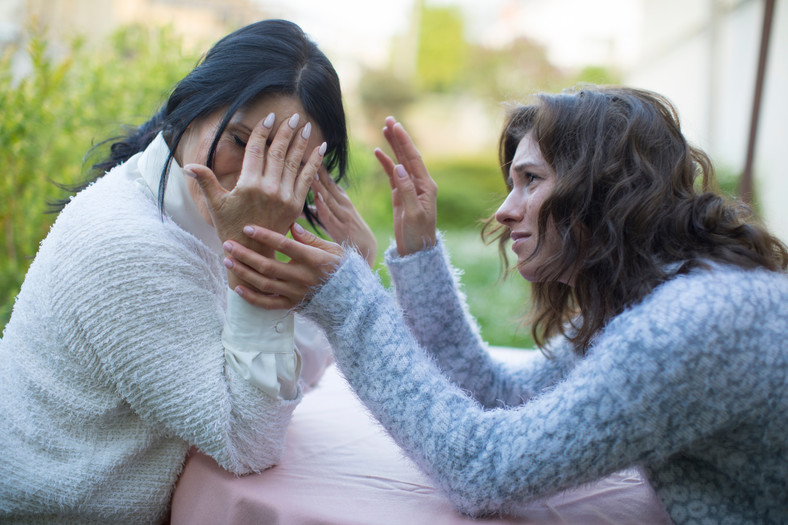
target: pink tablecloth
<point>340,467</point>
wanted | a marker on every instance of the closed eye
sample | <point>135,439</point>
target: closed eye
<point>238,141</point>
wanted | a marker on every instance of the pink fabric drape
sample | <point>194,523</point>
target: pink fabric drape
<point>340,466</point>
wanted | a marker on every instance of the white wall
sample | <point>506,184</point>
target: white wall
<point>705,61</point>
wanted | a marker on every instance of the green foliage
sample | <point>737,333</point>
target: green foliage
<point>597,75</point>
<point>499,305</point>
<point>52,116</point>
<point>511,72</point>
<point>728,181</point>
<point>383,93</point>
<point>442,48</point>
<point>469,190</point>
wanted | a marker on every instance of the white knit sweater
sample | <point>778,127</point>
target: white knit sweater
<point>112,365</point>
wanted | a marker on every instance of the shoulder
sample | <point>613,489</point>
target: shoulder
<point>114,229</point>
<point>723,288</point>
<point>112,200</point>
<point>115,212</point>
<point>718,305</point>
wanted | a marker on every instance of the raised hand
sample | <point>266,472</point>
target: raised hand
<point>340,218</point>
<point>272,186</point>
<point>275,284</point>
<point>413,192</point>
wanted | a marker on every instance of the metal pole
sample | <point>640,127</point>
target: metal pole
<point>745,187</point>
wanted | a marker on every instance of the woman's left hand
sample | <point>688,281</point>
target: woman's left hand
<point>340,218</point>
<point>275,284</point>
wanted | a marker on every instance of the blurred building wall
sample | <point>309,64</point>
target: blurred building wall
<point>703,55</point>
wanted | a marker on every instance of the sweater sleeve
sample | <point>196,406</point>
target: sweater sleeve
<point>435,309</point>
<point>142,304</point>
<point>663,375</point>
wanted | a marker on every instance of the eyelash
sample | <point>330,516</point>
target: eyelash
<point>239,142</point>
<point>527,177</point>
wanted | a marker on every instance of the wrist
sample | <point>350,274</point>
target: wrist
<point>426,242</point>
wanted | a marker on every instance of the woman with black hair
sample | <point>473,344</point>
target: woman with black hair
<point>124,348</point>
<point>660,307</point>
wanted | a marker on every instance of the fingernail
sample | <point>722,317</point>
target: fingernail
<point>293,122</point>
<point>227,263</point>
<point>323,148</point>
<point>239,291</point>
<point>227,247</point>
<point>307,130</point>
<point>248,230</point>
<point>189,173</point>
<point>297,227</point>
<point>320,196</point>
<point>269,120</point>
<point>401,171</point>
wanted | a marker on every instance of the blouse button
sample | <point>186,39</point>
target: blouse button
<point>279,327</point>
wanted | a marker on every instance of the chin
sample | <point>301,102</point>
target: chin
<point>528,275</point>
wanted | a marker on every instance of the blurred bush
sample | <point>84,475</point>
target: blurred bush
<point>470,189</point>
<point>54,114</point>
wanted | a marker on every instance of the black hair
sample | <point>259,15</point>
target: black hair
<point>267,57</point>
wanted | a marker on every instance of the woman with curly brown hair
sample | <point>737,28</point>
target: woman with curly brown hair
<point>660,307</point>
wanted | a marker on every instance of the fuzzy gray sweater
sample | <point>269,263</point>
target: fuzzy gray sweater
<point>691,384</point>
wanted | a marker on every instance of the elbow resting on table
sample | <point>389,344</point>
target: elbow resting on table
<point>476,501</point>
<point>242,455</point>
<point>474,492</point>
<point>244,465</point>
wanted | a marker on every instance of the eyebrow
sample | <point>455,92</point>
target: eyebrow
<point>523,166</point>
<point>239,125</point>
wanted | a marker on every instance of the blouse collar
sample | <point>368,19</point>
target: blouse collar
<point>178,203</point>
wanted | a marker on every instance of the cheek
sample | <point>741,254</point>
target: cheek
<point>227,165</point>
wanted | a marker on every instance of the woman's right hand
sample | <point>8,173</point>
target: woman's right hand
<point>413,192</point>
<point>272,186</point>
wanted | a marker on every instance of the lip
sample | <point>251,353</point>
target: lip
<point>516,236</point>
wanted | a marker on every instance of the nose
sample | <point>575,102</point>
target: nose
<point>511,211</point>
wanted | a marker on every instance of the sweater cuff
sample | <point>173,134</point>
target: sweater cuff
<point>341,293</point>
<point>410,272</point>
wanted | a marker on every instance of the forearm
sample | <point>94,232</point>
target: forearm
<point>428,290</point>
<point>165,356</point>
<point>460,445</point>
<point>434,309</point>
<point>641,395</point>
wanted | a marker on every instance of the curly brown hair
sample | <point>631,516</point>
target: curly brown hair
<point>633,203</point>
